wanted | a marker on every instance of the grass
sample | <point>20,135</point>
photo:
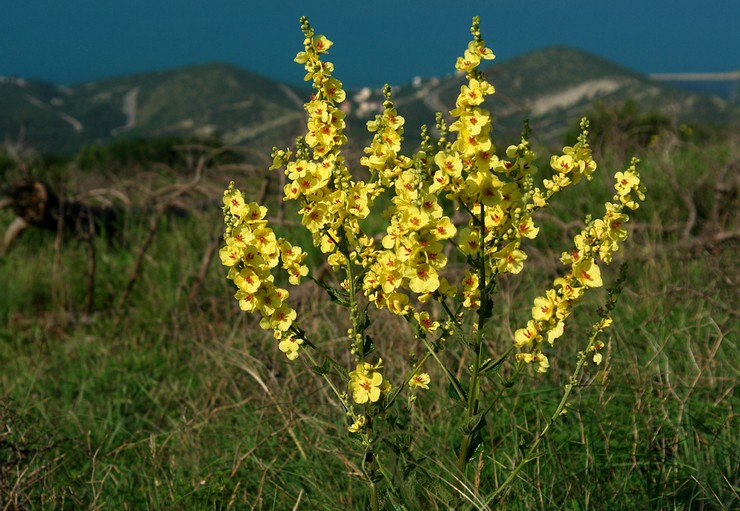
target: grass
<point>180,401</point>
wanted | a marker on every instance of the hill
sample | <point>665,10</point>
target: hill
<point>207,100</point>
<point>553,88</point>
<point>550,87</point>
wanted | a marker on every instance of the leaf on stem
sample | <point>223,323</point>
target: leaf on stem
<point>455,390</point>
<point>336,295</point>
<point>473,424</point>
<point>322,369</point>
<point>367,345</point>
<point>476,443</point>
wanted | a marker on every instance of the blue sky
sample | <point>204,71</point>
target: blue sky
<point>379,41</point>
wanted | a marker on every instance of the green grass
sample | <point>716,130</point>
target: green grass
<point>180,403</point>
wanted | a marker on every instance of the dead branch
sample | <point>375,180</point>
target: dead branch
<point>205,263</point>
<point>102,193</point>
<point>156,219</point>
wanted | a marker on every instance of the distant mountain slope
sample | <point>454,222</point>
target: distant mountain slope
<point>550,87</point>
<point>212,99</point>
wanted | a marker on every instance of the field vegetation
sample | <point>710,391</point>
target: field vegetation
<point>130,379</point>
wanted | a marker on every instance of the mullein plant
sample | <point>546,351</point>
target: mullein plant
<point>403,269</point>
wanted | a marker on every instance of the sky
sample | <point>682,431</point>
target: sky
<point>375,42</point>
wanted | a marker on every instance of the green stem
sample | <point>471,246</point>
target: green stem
<point>357,340</point>
<point>328,381</point>
<point>474,387</point>
<point>406,379</point>
<point>300,334</point>
<point>369,465</point>
<point>502,389</point>
<point>532,451</point>
<point>444,368</point>
<point>358,343</point>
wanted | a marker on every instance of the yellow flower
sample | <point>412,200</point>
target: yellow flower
<point>556,332</point>
<point>626,182</point>
<point>495,216</point>
<point>230,255</point>
<point>473,94</point>
<point>282,318</point>
<point>587,273</point>
<point>468,62</point>
<point>234,201</point>
<point>270,299</point>
<point>469,241</point>
<point>254,214</point>
<point>358,424</point>
<point>314,216</point>
<point>471,292</point>
<point>398,303</point>
<point>420,380</point>
<point>333,90</point>
<point>543,308</point>
<point>247,280</point>
<point>426,322</point>
<point>365,384</point>
<point>423,279</point>
<point>414,219</point>
<point>543,364</point>
<point>478,48</point>
<point>510,258</point>
<point>321,44</point>
<point>569,292</point>
<point>247,302</point>
<point>526,227</point>
<point>527,335</point>
<point>537,357</point>
<point>290,346</point>
<point>562,164</point>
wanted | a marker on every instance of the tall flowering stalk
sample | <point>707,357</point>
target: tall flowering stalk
<point>404,269</point>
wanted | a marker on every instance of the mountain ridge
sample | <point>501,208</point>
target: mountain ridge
<point>550,87</point>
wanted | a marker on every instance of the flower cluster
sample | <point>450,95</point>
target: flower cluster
<point>332,203</point>
<point>382,157</point>
<point>454,192</point>
<point>599,239</point>
<point>495,197</point>
<point>251,252</point>
<point>575,163</point>
<point>412,253</point>
<point>495,192</point>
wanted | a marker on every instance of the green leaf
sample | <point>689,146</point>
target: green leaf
<point>473,424</point>
<point>459,332</point>
<point>336,295</point>
<point>455,390</point>
<point>322,369</point>
<point>486,309</point>
<point>388,402</point>
<point>476,443</point>
<point>491,365</point>
<point>367,345</point>
<point>364,320</point>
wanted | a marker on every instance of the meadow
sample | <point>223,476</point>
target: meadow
<point>148,388</point>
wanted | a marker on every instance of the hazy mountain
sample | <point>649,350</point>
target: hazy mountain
<point>212,99</point>
<point>551,88</point>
